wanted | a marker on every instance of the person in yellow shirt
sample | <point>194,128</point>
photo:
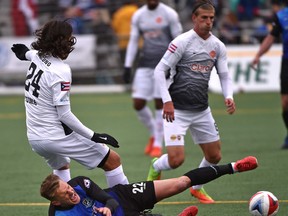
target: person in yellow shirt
<point>121,22</point>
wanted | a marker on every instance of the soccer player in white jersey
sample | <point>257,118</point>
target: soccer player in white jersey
<point>190,59</point>
<point>157,24</point>
<point>53,131</point>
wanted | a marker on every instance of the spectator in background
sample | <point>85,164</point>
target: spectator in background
<point>280,27</point>
<point>121,22</point>
<point>157,24</point>
<point>85,13</point>
<point>247,9</point>
<point>230,29</point>
<point>24,17</point>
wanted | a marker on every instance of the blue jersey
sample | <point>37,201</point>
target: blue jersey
<point>280,26</point>
<point>122,200</point>
<point>91,197</point>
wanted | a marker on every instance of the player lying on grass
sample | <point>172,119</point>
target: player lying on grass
<point>81,196</point>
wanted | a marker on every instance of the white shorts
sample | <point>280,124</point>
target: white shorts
<point>144,85</point>
<point>57,153</point>
<point>201,125</point>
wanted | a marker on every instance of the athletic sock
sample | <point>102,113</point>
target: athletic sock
<point>204,163</point>
<point>146,117</point>
<point>116,176</point>
<point>285,119</point>
<point>162,163</point>
<point>63,174</point>
<point>207,174</point>
<point>158,128</point>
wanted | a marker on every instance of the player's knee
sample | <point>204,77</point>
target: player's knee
<point>139,104</point>
<point>113,161</point>
<point>214,159</point>
<point>175,162</point>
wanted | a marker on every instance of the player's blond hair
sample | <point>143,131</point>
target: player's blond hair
<point>49,187</point>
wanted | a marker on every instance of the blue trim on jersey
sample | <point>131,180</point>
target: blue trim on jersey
<point>283,20</point>
<point>86,206</point>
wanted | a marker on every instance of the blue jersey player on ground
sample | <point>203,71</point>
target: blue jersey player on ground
<point>81,196</point>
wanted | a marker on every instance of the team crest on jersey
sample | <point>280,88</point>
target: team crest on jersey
<point>65,86</point>
<point>159,20</point>
<point>87,202</point>
<point>212,54</point>
<point>87,183</point>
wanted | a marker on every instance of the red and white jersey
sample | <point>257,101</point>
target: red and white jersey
<point>47,85</point>
<point>192,60</point>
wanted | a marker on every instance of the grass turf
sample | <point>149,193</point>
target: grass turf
<point>255,129</point>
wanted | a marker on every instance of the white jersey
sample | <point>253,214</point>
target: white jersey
<point>158,28</point>
<point>47,85</point>
<point>192,60</point>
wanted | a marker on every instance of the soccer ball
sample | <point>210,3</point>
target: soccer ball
<point>263,203</point>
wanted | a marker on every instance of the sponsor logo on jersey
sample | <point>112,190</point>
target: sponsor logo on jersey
<point>87,202</point>
<point>175,137</point>
<point>201,67</point>
<point>65,86</point>
<point>172,48</point>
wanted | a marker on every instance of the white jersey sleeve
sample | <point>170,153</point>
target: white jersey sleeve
<point>223,73</point>
<point>132,47</point>
<point>167,65</point>
<point>69,119</point>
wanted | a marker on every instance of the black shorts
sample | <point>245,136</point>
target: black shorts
<point>135,198</point>
<point>284,76</point>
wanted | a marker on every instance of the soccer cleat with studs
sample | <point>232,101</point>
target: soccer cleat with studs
<point>189,211</point>
<point>245,164</point>
<point>149,146</point>
<point>156,152</point>
<point>153,174</point>
<point>201,195</point>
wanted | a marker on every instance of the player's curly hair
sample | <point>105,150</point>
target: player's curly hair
<point>54,38</point>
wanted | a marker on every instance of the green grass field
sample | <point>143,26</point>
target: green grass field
<point>255,129</point>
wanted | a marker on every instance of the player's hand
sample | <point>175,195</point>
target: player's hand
<point>168,111</point>
<point>105,138</point>
<point>254,64</point>
<point>127,75</point>
<point>104,210</point>
<point>20,50</point>
<point>230,105</point>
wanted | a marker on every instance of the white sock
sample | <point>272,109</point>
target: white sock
<point>146,117</point>
<point>162,163</point>
<point>158,129</point>
<point>115,177</point>
<point>63,174</point>
<point>204,163</point>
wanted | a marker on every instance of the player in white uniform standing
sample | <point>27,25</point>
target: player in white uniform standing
<point>53,131</point>
<point>157,24</point>
<point>190,59</point>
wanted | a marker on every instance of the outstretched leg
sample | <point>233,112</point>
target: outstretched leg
<point>169,187</point>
